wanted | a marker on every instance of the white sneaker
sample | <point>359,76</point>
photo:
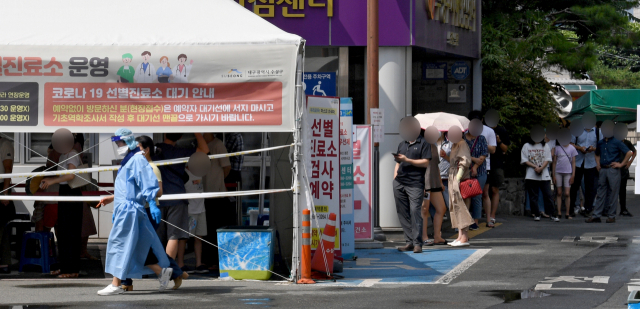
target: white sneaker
<point>493,220</point>
<point>555,219</point>
<point>461,244</point>
<point>453,243</point>
<point>165,277</point>
<point>536,218</point>
<point>111,290</point>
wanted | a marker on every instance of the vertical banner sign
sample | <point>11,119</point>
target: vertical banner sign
<point>362,182</point>
<point>323,163</point>
<point>346,178</point>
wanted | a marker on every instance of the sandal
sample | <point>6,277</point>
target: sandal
<point>544,215</point>
<point>65,276</point>
<point>568,217</point>
<point>427,243</point>
<point>490,225</point>
<point>441,243</point>
<point>55,272</point>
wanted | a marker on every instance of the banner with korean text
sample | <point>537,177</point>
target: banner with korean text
<point>321,139</point>
<point>346,178</point>
<point>222,88</point>
<point>362,182</point>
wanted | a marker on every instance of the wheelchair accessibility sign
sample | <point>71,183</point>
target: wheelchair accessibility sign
<point>320,84</point>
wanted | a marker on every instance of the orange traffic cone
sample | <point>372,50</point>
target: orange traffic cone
<point>306,248</point>
<point>323,259</point>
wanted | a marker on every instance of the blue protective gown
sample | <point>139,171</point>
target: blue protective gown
<point>132,234</point>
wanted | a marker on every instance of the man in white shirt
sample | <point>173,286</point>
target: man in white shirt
<point>490,135</point>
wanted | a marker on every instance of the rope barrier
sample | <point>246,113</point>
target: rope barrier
<point>56,165</point>
<point>168,197</point>
<point>117,167</point>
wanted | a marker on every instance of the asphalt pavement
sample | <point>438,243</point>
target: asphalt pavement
<point>518,264</point>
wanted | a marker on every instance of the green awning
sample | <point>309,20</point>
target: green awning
<point>619,105</point>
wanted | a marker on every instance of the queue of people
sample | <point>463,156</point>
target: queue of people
<point>436,171</point>
<point>172,221</point>
<point>147,236</point>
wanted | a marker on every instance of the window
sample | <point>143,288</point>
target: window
<point>38,144</point>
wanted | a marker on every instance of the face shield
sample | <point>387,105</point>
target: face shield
<point>119,145</point>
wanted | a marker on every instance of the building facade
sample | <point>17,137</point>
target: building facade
<point>428,61</point>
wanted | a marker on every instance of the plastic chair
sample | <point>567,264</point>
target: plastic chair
<point>46,258</point>
<point>16,229</point>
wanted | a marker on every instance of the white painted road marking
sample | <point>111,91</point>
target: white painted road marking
<point>547,287</point>
<point>547,284</point>
<point>369,282</point>
<point>458,270</point>
<point>598,239</point>
<point>573,279</point>
<point>634,285</point>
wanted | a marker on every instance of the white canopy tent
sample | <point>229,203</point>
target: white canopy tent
<point>151,66</point>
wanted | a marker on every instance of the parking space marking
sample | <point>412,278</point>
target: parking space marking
<point>482,227</point>
<point>388,266</point>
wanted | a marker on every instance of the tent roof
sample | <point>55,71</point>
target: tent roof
<point>135,23</point>
<point>615,104</point>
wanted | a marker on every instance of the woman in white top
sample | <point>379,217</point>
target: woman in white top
<point>69,226</point>
<point>536,156</point>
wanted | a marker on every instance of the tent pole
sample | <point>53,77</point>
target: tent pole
<point>297,158</point>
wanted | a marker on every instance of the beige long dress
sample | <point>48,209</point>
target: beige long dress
<point>460,158</point>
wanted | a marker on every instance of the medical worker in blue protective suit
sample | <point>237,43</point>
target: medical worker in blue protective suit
<point>126,146</point>
<point>134,248</point>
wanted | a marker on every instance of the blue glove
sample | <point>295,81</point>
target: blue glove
<point>155,211</point>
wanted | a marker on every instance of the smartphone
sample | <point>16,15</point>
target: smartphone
<point>394,154</point>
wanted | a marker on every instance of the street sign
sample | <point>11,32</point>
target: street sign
<point>320,84</point>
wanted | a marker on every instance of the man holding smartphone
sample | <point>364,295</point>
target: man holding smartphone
<point>586,164</point>
<point>412,159</point>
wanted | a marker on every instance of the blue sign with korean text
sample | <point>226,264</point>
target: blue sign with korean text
<point>320,84</point>
<point>460,70</point>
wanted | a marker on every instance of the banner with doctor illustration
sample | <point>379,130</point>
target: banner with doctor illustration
<point>219,88</point>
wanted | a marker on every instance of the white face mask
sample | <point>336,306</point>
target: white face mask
<point>122,151</point>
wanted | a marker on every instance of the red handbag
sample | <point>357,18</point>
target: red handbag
<point>470,187</point>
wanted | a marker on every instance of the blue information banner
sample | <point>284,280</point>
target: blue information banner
<point>320,84</point>
<point>347,237</point>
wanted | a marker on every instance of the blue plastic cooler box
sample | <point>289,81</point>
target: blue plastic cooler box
<point>246,252</point>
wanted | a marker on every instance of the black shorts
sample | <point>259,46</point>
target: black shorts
<point>426,192</point>
<point>496,177</point>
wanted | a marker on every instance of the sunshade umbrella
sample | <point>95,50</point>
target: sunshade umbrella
<point>442,121</point>
<point>33,184</point>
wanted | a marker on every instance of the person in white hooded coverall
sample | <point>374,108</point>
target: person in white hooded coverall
<point>134,248</point>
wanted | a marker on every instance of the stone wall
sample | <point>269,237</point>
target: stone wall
<point>512,197</point>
